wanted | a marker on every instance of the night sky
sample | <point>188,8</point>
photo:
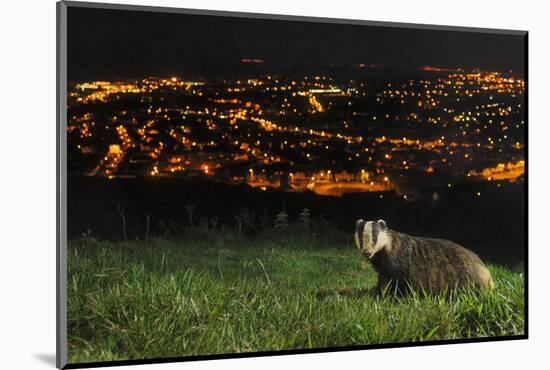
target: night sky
<point>122,44</point>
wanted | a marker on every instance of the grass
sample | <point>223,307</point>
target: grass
<point>161,298</point>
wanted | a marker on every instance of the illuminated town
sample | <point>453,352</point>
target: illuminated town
<point>301,133</point>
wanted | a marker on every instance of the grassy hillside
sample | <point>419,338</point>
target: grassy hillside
<point>223,294</point>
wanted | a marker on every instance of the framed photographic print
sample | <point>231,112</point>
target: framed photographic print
<point>234,184</point>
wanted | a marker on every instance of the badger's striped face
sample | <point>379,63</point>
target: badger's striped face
<point>371,236</point>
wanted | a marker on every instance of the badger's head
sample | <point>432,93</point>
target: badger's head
<point>371,237</point>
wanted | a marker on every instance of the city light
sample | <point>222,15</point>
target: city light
<point>289,140</point>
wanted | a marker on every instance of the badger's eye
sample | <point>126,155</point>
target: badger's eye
<point>374,233</point>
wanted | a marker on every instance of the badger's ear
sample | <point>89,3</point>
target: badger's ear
<point>359,222</point>
<point>382,224</point>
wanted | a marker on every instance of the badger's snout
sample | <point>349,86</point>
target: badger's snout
<point>366,254</point>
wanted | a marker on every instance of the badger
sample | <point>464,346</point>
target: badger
<point>426,265</point>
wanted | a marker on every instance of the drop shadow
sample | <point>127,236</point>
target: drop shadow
<point>47,358</point>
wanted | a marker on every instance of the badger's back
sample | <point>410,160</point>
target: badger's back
<point>430,265</point>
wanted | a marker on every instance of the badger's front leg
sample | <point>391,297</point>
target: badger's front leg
<point>384,285</point>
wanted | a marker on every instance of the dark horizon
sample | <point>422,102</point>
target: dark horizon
<point>105,43</point>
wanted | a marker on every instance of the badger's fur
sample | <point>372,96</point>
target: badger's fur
<point>427,265</point>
